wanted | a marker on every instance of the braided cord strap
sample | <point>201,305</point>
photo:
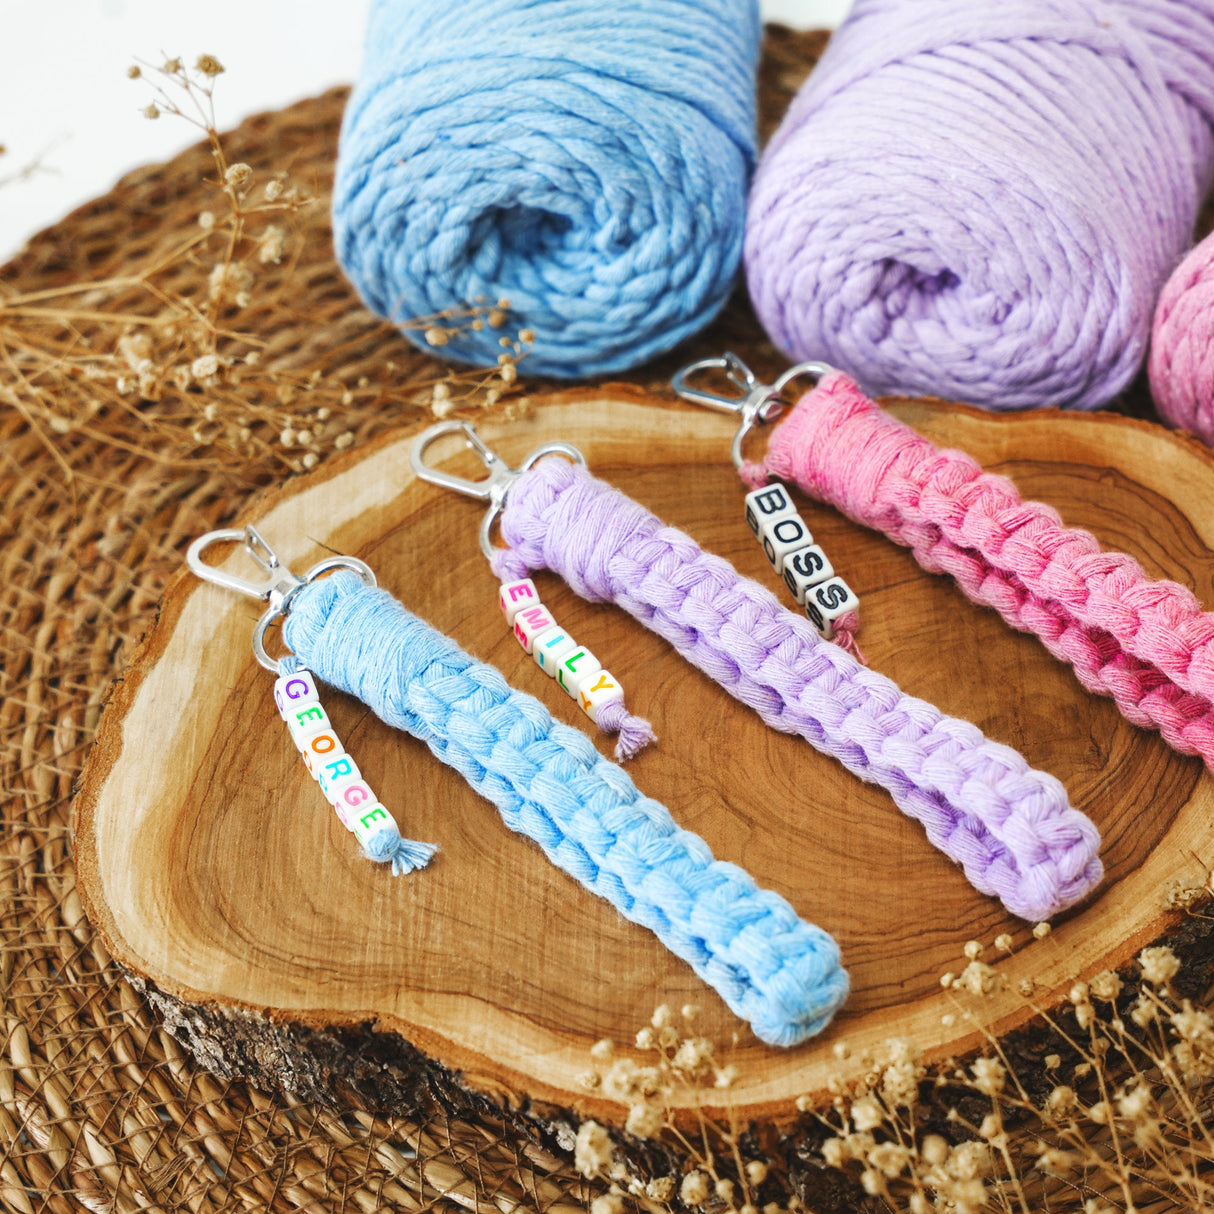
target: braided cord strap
<point>1009,826</point>
<point>1147,644</point>
<point>772,968</point>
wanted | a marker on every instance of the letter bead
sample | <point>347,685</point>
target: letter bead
<point>529,623</point>
<point>295,691</point>
<point>549,647</point>
<point>772,501</point>
<point>827,603</point>
<point>573,670</point>
<point>304,722</point>
<point>804,568</point>
<point>319,747</point>
<point>782,535</point>
<point>596,690</point>
<point>514,596</point>
<point>350,798</point>
<point>332,772</point>
<point>371,820</point>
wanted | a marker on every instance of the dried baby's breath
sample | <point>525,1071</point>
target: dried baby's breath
<point>1121,1110</point>
<point>72,370</point>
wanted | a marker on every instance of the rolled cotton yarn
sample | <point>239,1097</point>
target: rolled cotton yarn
<point>1182,345</point>
<point>982,201</point>
<point>588,162</point>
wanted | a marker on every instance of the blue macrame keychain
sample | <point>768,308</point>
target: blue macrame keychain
<point>773,969</point>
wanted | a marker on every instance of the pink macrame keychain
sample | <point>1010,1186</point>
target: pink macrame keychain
<point>1009,826</point>
<point>1146,643</point>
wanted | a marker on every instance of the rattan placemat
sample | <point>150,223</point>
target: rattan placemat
<point>166,353</point>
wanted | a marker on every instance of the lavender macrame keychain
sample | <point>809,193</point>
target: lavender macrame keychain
<point>1009,826</point>
<point>771,967</point>
<point>573,667</point>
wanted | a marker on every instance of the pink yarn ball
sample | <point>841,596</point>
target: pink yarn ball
<point>1182,345</point>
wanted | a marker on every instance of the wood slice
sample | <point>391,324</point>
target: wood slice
<point>229,891</point>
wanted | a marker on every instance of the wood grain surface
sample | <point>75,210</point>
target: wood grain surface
<point>217,872</point>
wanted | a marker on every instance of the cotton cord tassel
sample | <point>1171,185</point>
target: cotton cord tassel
<point>1182,346</point>
<point>773,969</point>
<point>1009,827</point>
<point>1147,644</point>
<point>633,733</point>
<point>405,855</point>
<point>982,201</point>
<point>586,162</point>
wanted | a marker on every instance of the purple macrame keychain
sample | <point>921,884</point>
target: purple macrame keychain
<point>573,667</point>
<point>1009,826</point>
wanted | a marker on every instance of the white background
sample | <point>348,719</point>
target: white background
<point>69,117</point>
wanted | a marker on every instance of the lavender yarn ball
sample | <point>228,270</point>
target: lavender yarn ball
<point>982,201</point>
<point>586,160</point>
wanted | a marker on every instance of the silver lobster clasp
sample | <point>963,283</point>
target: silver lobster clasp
<point>756,403</point>
<point>492,488</point>
<point>278,588</point>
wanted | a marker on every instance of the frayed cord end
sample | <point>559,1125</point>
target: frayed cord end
<point>755,475</point>
<point>635,733</point>
<point>846,628</point>
<point>405,855</point>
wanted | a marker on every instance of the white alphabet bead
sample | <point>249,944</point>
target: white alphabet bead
<point>370,821</point>
<point>320,746</point>
<point>332,772</point>
<point>295,691</point>
<point>770,502</point>
<point>804,568</point>
<point>514,596</point>
<point>303,722</point>
<point>529,623</point>
<point>350,798</point>
<point>572,669</point>
<point>828,602</point>
<point>596,690</point>
<point>780,536</point>
<point>549,647</point>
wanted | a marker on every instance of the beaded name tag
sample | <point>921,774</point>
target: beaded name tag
<point>298,700</point>
<point>574,668</point>
<point>829,603</point>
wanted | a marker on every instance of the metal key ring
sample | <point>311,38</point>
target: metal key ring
<point>272,613</point>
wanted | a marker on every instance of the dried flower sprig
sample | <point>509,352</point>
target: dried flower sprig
<point>1117,1118</point>
<point>198,371</point>
<point>685,1071</point>
<point>1121,1123</point>
<point>27,170</point>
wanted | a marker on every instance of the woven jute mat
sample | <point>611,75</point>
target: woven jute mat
<point>167,353</point>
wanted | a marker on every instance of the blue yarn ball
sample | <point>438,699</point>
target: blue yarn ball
<point>587,161</point>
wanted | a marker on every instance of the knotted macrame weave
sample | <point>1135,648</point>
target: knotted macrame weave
<point>1147,644</point>
<point>586,161</point>
<point>981,201</point>
<point>1010,827</point>
<point>772,968</point>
